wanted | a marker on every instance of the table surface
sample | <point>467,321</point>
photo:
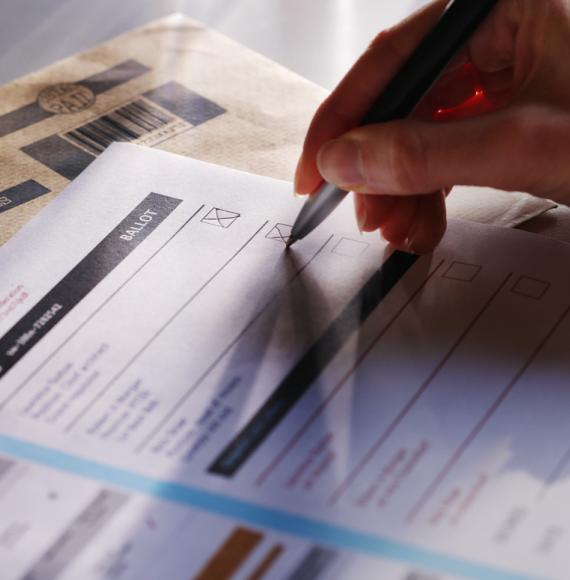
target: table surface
<point>319,39</point>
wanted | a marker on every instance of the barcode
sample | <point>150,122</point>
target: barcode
<point>128,123</point>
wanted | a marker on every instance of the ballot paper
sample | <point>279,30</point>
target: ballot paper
<point>181,397</point>
<point>177,86</point>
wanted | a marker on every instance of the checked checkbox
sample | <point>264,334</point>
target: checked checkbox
<point>221,218</point>
<point>280,233</point>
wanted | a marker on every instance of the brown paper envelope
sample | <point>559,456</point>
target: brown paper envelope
<point>554,224</point>
<point>180,87</point>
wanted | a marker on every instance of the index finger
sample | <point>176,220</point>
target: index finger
<point>349,102</point>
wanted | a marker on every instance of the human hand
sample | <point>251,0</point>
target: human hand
<point>516,137</point>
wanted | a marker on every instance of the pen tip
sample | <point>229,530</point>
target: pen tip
<point>290,242</point>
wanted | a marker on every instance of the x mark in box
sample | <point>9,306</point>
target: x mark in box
<point>280,233</point>
<point>221,218</point>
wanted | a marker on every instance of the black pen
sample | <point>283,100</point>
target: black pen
<point>402,95</point>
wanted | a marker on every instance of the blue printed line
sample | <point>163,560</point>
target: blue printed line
<point>257,515</point>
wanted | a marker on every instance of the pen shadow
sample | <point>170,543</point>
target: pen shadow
<point>289,315</point>
<point>345,429</point>
<point>322,347</point>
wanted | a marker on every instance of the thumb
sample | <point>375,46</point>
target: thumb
<point>516,149</point>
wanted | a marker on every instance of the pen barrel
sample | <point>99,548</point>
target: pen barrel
<point>428,61</point>
<point>318,207</point>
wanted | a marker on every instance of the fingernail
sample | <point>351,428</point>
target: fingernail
<point>339,162</point>
<point>409,243</point>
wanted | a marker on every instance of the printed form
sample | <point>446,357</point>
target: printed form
<point>182,398</point>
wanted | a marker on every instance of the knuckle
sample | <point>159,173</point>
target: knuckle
<point>407,160</point>
<point>379,39</point>
<point>389,48</point>
<point>386,44</point>
<point>539,140</point>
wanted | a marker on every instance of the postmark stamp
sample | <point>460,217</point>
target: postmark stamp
<point>66,98</point>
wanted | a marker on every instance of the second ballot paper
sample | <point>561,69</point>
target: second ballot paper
<point>180,397</point>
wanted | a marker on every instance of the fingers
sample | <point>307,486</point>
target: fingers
<point>516,149</point>
<point>348,103</point>
<point>412,224</point>
<point>397,229</point>
<point>429,224</point>
<point>373,211</point>
<point>525,39</point>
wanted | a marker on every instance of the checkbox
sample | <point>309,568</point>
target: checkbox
<point>530,288</point>
<point>220,218</point>
<point>350,248</point>
<point>462,272</point>
<point>280,233</point>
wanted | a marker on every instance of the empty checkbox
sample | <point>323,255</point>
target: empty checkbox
<point>350,248</point>
<point>462,272</point>
<point>530,288</point>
